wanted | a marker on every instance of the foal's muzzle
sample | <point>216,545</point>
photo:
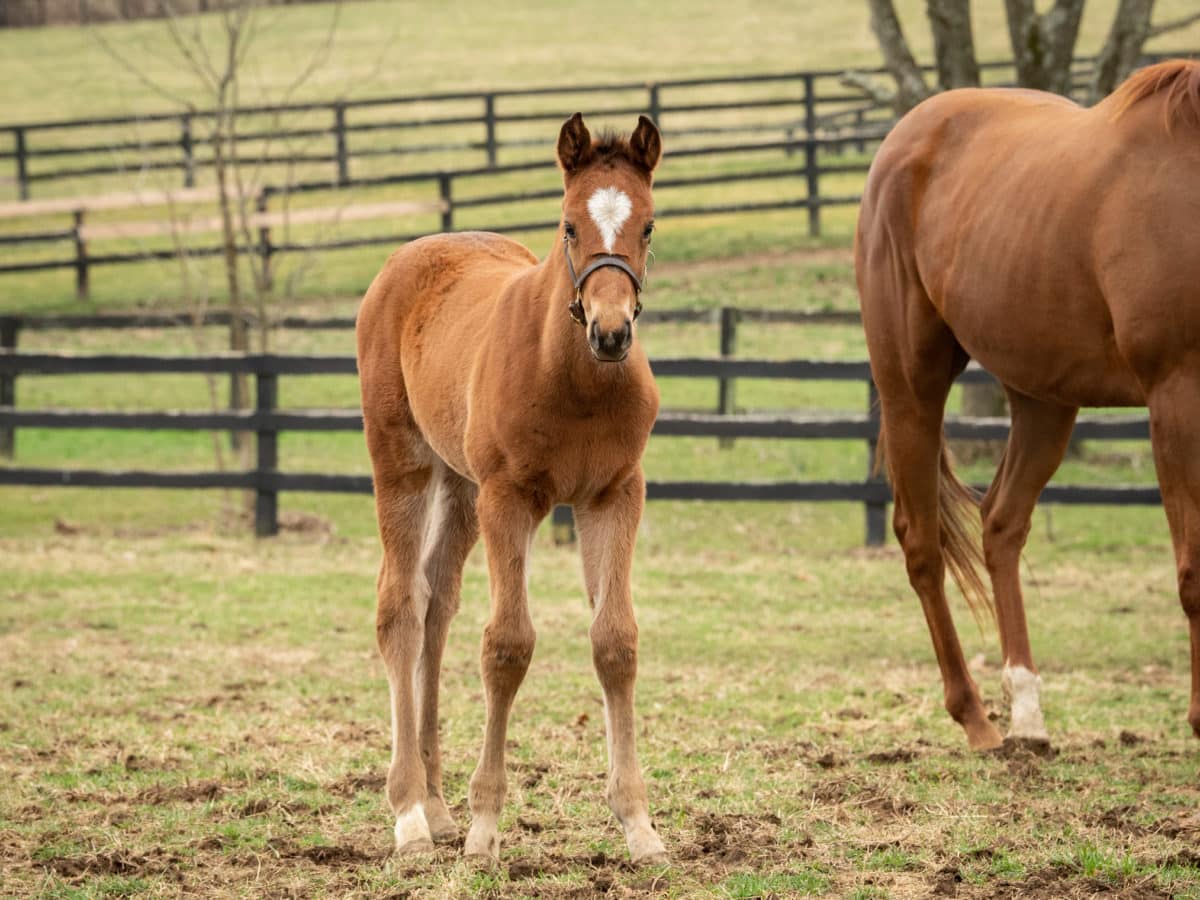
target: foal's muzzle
<point>610,346</point>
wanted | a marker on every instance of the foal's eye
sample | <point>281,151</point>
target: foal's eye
<point>649,230</point>
<point>569,231</point>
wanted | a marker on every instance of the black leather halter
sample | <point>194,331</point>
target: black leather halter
<point>576,307</point>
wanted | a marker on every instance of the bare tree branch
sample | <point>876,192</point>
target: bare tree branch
<point>876,90</point>
<point>1173,25</point>
<point>911,88</point>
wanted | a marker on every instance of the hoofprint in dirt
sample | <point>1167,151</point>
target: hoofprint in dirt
<point>189,712</point>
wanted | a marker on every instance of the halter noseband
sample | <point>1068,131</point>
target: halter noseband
<point>576,307</point>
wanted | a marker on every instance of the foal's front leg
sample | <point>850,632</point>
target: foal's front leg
<point>607,531</point>
<point>507,521</point>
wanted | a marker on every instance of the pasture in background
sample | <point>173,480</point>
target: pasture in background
<point>185,708</point>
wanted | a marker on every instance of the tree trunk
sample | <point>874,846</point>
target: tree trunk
<point>953,43</point>
<point>1122,49</point>
<point>1043,44</point>
<point>910,82</point>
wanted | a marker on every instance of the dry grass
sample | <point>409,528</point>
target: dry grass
<point>190,713</point>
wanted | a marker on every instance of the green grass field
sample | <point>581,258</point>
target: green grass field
<point>184,709</point>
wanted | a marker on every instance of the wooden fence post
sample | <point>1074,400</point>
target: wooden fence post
<point>22,165</point>
<point>81,259</point>
<point>264,240</point>
<point>339,131</point>
<point>812,180</point>
<point>9,329</point>
<point>725,385</point>
<point>189,156</point>
<point>562,522</point>
<point>655,103</point>
<point>489,124</point>
<point>266,500</point>
<point>445,193</point>
<point>876,512</point>
<point>812,174</point>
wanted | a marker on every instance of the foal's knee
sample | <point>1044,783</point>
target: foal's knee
<point>614,650</point>
<point>1003,539</point>
<point>1189,589</point>
<point>506,653</point>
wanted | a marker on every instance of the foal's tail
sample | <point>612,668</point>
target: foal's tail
<point>959,526</point>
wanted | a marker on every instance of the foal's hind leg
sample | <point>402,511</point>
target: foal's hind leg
<point>450,532</point>
<point>1175,436</point>
<point>1039,437</point>
<point>401,484</point>
<point>913,437</point>
<point>607,531</point>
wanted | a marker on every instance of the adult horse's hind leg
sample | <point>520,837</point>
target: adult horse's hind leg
<point>507,519</point>
<point>1036,444</point>
<point>451,530</point>
<point>607,531</point>
<point>914,376</point>
<point>1175,436</point>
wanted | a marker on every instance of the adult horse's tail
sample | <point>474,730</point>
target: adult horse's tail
<point>959,525</point>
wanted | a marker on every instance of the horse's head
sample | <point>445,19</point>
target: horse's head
<point>608,217</point>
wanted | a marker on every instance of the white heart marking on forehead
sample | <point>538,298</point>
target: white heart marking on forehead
<point>609,208</point>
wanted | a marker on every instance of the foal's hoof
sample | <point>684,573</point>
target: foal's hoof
<point>482,862</point>
<point>1037,746</point>
<point>445,834</point>
<point>652,860</point>
<point>415,847</point>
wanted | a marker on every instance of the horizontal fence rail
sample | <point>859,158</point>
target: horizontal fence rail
<point>268,422</point>
<point>799,181</point>
<point>482,122</point>
<point>806,117</point>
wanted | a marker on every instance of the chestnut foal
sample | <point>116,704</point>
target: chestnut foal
<point>493,387</point>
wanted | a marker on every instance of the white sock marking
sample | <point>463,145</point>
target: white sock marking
<point>1023,690</point>
<point>411,826</point>
<point>609,209</point>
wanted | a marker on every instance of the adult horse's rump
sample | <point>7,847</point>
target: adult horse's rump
<point>1058,247</point>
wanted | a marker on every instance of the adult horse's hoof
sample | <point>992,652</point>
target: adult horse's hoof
<point>1037,746</point>
<point>984,736</point>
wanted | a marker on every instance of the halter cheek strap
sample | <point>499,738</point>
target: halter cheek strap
<point>576,307</point>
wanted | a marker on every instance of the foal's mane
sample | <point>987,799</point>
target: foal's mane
<point>1177,80</point>
<point>609,145</point>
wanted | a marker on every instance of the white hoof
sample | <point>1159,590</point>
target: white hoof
<point>1023,689</point>
<point>412,831</point>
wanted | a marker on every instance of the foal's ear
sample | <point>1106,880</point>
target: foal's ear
<point>574,145</point>
<point>646,144</point>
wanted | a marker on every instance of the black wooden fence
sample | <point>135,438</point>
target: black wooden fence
<point>809,103</point>
<point>267,421</point>
<point>801,164</point>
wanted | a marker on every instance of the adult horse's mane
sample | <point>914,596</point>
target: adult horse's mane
<point>1178,80</point>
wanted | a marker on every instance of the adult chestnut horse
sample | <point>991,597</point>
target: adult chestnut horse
<point>493,387</point>
<point>1058,246</point>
